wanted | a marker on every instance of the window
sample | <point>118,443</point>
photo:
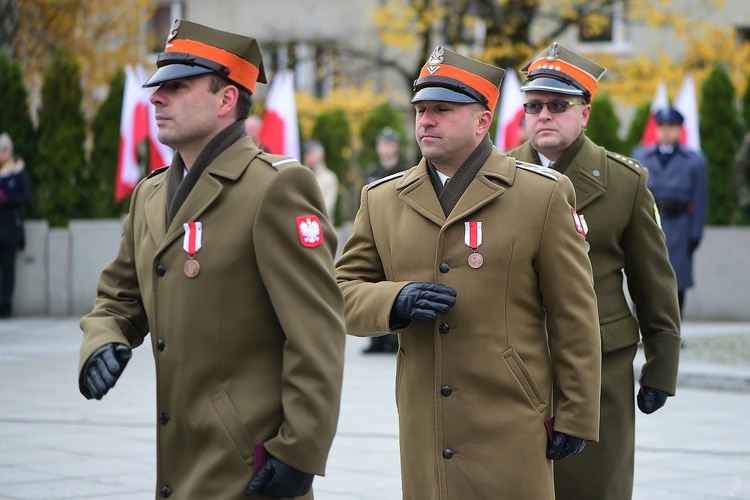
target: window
<point>608,31</point>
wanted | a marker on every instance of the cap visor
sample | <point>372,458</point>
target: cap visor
<point>440,94</point>
<point>173,72</point>
<point>545,84</point>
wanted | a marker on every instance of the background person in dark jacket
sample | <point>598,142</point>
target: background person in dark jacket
<point>678,180</point>
<point>390,160</point>
<point>14,193</point>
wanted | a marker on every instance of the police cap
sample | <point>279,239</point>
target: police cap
<point>669,115</point>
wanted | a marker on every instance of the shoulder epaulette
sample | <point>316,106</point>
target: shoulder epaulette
<point>538,169</point>
<point>276,160</point>
<point>157,171</point>
<point>624,160</point>
<point>385,179</point>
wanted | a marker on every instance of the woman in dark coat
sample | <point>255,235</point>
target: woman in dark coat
<point>14,193</point>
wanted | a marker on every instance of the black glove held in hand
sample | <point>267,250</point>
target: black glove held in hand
<point>651,399</point>
<point>421,301</point>
<point>103,368</point>
<point>279,480</point>
<point>564,446</point>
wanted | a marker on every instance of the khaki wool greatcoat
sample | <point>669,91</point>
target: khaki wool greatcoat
<point>251,350</point>
<point>625,239</point>
<point>474,386</point>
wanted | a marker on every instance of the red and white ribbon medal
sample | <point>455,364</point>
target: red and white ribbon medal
<point>580,224</point>
<point>191,243</point>
<point>473,238</point>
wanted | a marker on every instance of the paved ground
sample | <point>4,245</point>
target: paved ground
<point>56,445</point>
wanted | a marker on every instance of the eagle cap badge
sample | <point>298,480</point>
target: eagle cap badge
<point>553,53</point>
<point>437,56</point>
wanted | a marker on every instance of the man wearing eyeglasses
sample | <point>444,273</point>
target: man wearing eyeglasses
<point>624,237</point>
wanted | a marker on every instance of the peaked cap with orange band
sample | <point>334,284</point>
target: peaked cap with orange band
<point>193,49</point>
<point>562,71</point>
<point>449,76</point>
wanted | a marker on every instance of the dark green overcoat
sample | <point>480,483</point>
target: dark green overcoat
<point>625,240</point>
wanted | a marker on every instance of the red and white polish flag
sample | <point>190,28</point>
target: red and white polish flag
<point>661,101</point>
<point>137,123</point>
<point>280,131</point>
<point>133,130</point>
<point>511,113</point>
<point>687,104</point>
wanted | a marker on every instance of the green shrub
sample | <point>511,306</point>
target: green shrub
<point>720,136</point>
<point>332,130</point>
<point>603,125</point>
<point>59,180</point>
<point>102,165</point>
<point>15,118</point>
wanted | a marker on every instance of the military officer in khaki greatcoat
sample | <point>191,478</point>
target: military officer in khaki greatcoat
<point>227,260</point>
<point>623,234</point>
<point>467,271</point>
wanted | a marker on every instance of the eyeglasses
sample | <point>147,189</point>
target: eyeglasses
<point>534,108</point>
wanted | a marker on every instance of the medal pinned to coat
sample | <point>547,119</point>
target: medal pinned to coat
<point>473,238</point>
<point>191,243</point>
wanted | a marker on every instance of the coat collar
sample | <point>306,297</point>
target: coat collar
<point>229,165</point>
<point>584,163</point>
<point>588,172</point>
<point>415,189</point>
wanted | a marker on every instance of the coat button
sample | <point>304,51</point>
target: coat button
<point>160,344</point>
<point>447,453</point>
<point>166,491</point>
<point>444,268</point>
<point>446,390</point>
<point>163,418</point>
<point>161,270</point>
<point>444,328</point>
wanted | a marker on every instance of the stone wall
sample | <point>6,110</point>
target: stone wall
<point>58,270</point>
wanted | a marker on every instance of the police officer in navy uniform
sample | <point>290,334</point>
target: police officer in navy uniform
<point>624,239</point>
<point>678,178</point>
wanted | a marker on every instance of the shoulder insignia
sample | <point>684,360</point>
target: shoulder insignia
<point>385,179</point>
<point>157,171</point>
<point>538,169</point>
<point>624,160</point>
<point>276,160</point>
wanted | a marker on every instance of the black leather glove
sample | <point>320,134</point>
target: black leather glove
<point>651,399</point>
<point>421,301</point>
<point>279,480</point>
<point>103,368</point>
<point>564,446</point>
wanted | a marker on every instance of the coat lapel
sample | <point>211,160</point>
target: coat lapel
<point>483,189</point>
<point>155,210</point>
<point>418,193</point>
<point>229,165</point>
<point>588,173</point>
